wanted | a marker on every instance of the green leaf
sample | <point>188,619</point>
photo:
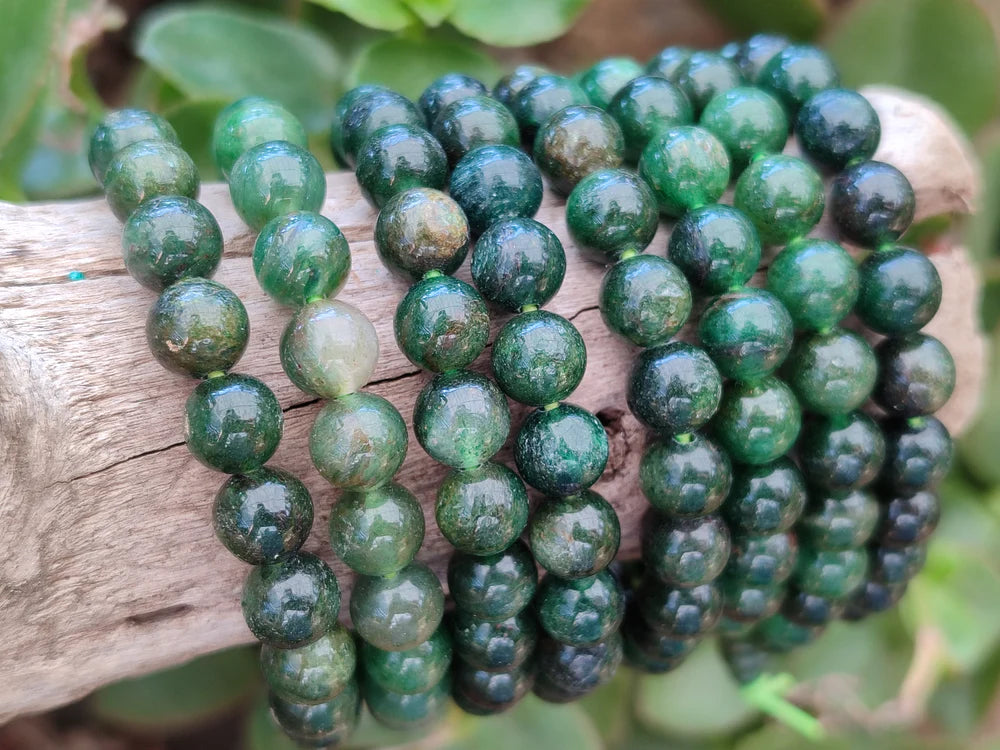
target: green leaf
<point>531,725</point>
<point>193,121</point>
<point>57,167</point>
<point>977,447</point>
<point>389,15</point>
<point>16,153</point>
<point>799,19</point>
<point>515,23</point>
<point>982,235</point>
<point>944,49</point>
<point>432,12</point>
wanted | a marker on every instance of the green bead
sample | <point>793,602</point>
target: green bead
<point>645,299</point>
<point>273,179</point>
<point>148,169</point>
<point>609,212</point>
<point>918,454</point>
<point>291,602</point>
<point>301,256</point>
<point>561,451</point>
<point>538,358</point>
<point>442,324</point>
<point>673,388</point>
<point>679,612</point>
<point>329,348</point>
<point>782,195</point>
<point>415,670</point>
<point>575,536</point>
<point>402,711</point>
<point>838,126</point>
<point>170,238</point>
<point>461,419</point>
<point>841,522</point>
<point>716,247</point>
<point>482,511</point>
<point>747,333</point>
<point>567,672</point>
<point>872,597</point>
<point>508,87</point>
<point>321,724</point>
<point>833,574</point>
<point>122,128</point>
<point>893,565</point>
<point>687,477</point>
<point>704,75</point>
<point>495,183</point>
<point>746,604</point>
<point>841,453</point>
<point>746,660</point>
<point>542,98</point>
<point>494,587</point>
<point>232,423</point>
<point>367,111</point>
<point>248,122</point>
<point>809,609</point>
<point>909,519</point>
<point>832,373</point>
<point>314,673</point>
<point>494,645</point>
<point>916,375</point>
<point>582,611</point>
<point>749,122</point>
<point>685,552</point>
<point>377,532</point>
<point>762,560</point>
<point>396,158</point>
<point>605,78</point>
<point>475,121</point>
<point>421,230</point>
<point>872,203</point>
<point>446,90</point>
<point>686,167</point>
<point>518,263</point>
<point>900,291</point>
<point>765,499</point>
<point>575,142</point>
<point>817,282</point>
<point>668,62</point>
<point>481,692</point>
<point>262,516</point>
<point>798,73</point>
<point>650,651</point>
<point>778,634</point>
<point>197,327</point>
<point>757,422</point>
<point>643,106</point>
<point>756,52</point>
<point>395,614</point>
<point>345,102</point>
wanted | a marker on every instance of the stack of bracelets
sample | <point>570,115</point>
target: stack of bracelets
<point>781,497</point>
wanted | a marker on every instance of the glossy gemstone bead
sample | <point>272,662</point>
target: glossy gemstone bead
<point>575,536</point>
<point>421,230</point>
<point>442,324</point>
<point>747,333</point>
<point>838,126</point>
<point>561,451</point>
<point>232,423</point>
<point>538,358</point>
<point>314,673</point>
<point>368,110</point>
<point>679,612</point>
<point>778,634</point>
<point>757,422</point>
<point>809,609</point>
<point>798,73</point>
<point>765,499</point>
<point>833,574</point>
<point>686,167</point>
<point>495,183</point>
<point>667,62</point>
<point>301,256</point>
<point>841,453</point>
<point>518,263</point>
<point>872,203</point>
<point>508,87</point>
<point>482,692</point>
<point>900,291</point>
<point>482,511</point>
<point>542,98</point>
<point>918,454</point>
<point>273,179</point>
<point>410,671</point>
<point>605,78</point>
<point>685,552</point>
<point>645,299</point>
<point>609,212</point>
<point>833,372</point>
<point>567,672</point>
<point>716,247</point>
<point>745,604</point>
<point>122,128</point>
<point>395,614</point>
<point>581,611</point>
<point>916,375</point>
<point>749,122</point>
<point>688,477</point>
<point>407,711</point>
<point>319,724</point>
<point>782,195</point>
<point>643,106</point>
<point>872,597</point>
<point>291,602</point>
<point>493,588</point>
<point>575,142</point>
<point>148,169</point>
<point>475,121</point>
<point>705,75</point>
<point>345,103</point>
<point>329,348</point>
<point>494,645</point>
<point>762,560</point>
<point>756,52</point>
<point>248,122</point>
<point>745,659</point>
<point>197,327</point>
<point>445,90</point>
<point>894,565</point>
<point>377,532</point>
<point>909,519</point>
<point>396,158</point>
<point>652,651</point>
<point>262,516</point>
<point>674,388</point>
<point>839,522</point>
<point>817,282</point>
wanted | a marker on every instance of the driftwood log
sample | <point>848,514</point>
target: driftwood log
<point>108,564</point>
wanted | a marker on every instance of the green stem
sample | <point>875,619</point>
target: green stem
<point>767,693</point>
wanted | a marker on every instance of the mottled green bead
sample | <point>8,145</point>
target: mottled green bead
<point>704,75</point>
<point>421,230</point>
<point>407,711</point>
<point>668,62</point>
<point>314,673</point>
<point>495,183</point>
<point>688,477</point>
<point>321,724</point>
<point>248,122</point>
<point>673,388</point>
<point>747,333</point>
<point>643,106</point>
<point>377,532</point>
<point>273,179</point>
<point>561,451</point>
<point>482,692</point>
<point>679,612</point>
<point>345,102</point>
<point>170,238</point>
<point>908,519</point>
<point>447,89</point>
<point>482,511</point>
<point>581,611</point>
<point>765,499</point>
<point>762,560</point>
<point>756,52</point>
<point>809,609</point>
<point>839,522</point>
<point>538,358</point>
<point>745,604</point>
<point>757,422</point>
<point>494,645</point>
<point>746,660</point>
<point>575,142</point>
<point>495,587</point>
<point>301,256</point>
<point>542,98</point>
<point>782,195</point>
<point>833,574</point>
<point>900,291</point>
<point>778,634</point>
<point>329,348</point>
<point>518,263</point>
<point>609,212</point>
<point>841,453</point>
<point>396,158</point>
<point>838,126</point>
<point>918,454</point>
<point>686,167</point>
<point>413,670</point>
<point>232,423</point>
<point>365,112</point>
<point>872,597</point>
<point>395,614</point>
<point>716,247</point>
<point>472,122</point>
<point>651,651</point>
<point>508,87</point>
<point>575,536</point>
<point>893,565</point>
<point>442,324</point>
<point>685,552</point>
<point>645,299</point>
<point>833,372</point>
<point>605,78</point>
<point>916,375</point>
<point>567,672</point>
<point>798,73</point>
<point>122,128</point>
<point>262,516</point>
<point>145,170</point>
<point>872,203</point>
<point>291,602</point>
<point>749,122</point>
<point>817,282</point>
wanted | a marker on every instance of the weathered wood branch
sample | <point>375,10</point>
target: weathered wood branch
<point>108,563</point>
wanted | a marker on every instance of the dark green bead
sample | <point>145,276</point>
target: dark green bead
<point>495,183</point>
<point>538,358</point>
<point>575,536</point>
<point>894,565</point>
<point>567,672</point>
<point>840,453</point>
<point>782,195</point>
<point>291,602</point>
<point>833,574</point>
<point>778,634</point>
<point>365,111</point>
<point>508,87</point>
<point>262,516</point>
<point>481,692</point>
<point>817,282</point>
<point>746,603</point>
<point>838,126</point>
<point>685,552</point>
<point>407,711</point>
<point>673,388</point>
<point>447,89</point>
<point>170,238</point>
<point>900,291</point>
<point>916,375</point>
<point>762,560</point>
<point>757,422</point>
<point>145,170</point>
<point>809,609</point>
<point>686,166</point>
<point>839,522</point>
<point>872,203</point>
<point>605,78</point>
<point>798,73</point>
<point>609,212</point>
<point>575,142</point>
<point>395,614</point>
<point>765,499</point>
<point>232,423</point>
<point>716,247</point>
<point>756,52</point>
<point>651,651</point>
<point>542,98</point>
<point>679,612</point>
<point>494,645</point>
<point>704,75</point>
<point>377,532</point>
<point>745,659</point>
<point>493,588</point>
<point>909,519</point>
<point>687,477</point>
<point>518,263</point>
<point>581,611</point>
<point>314,673</point>
<point>345,102</point>
<point>749,122</point>
<point>414,670</point>
<point>482,511</point>
<point>918,454</point>
<point>442,324</point>
<point>872,597</point>
<point>122,128</point>
<point>747,333</point>
<point>561,451</point>
<point>472,122</point>
<point>248,122</point>
<point>645,299</point>
<point>396,158</point>
<point>668,62</point>
<point>421,230</point>
<point>833,372</point>
<point>643,106</point>
<point>321,724</point>
<point>273,179</point>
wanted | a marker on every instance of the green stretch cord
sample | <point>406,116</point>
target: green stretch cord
<point>767,693</point>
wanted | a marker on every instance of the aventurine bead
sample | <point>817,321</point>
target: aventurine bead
<point>762,560</point>
<point>377,532</point>
<point>320,724</point>
<point>833,372</point>
<point>840,522</point>
<point>685,552</point>
<point>232,423</point>
<point>816,280</point>
<point>749,122</point>
<point>667,62</point>
<point>407,711</point>
<point>643,106</point>
<point>576,141</point>
<point>145,170</point>
<point>798,73</point>
<point>765,499</point>
<point>918,454</point>
<point>395,614</point>
<point>757,422</point>
<point>314,673</point>
<point>291,602</point>
<point>396,158</point>
<point>170,238</point>
<point>900,291</point>
<point>872,203</point>
<point>916,375</point>
<point>413,670</point>
<point>705,75</point>
<point>495,183</point>
<point>674,388</point>
<point>122,128</point>
<point>493,588</point>
<point>782,195</point>
<point>481,511</point>
<point>472,122</point>
<point>679,612</point>
<point>370,111</point>
<point>893,565</point>
<point>582,611</point>
<point>567,672</point>
<point>517,263</point>
<point>275,178</point>
<point>442,324</point>
<point>650,651</point>
<point>494,645</point>
<point>833,574</point>
<point>809,609</point>
<point>747,333</point>
<point>329,348</point>
<point>844,452</point>
<point>716,247</point>
<point>575,536</point>
<point>605,78</point>
<point>746,660</point>
<point>345,103</point>
<point>909,519</point>
<point>756,52</point>
<point>561,451</point>
<point>872,597</point>
<point>609,212</point>
<point>746,603</point>
<point>262,516</point>
<point>838,126</point>
<point>688,477</point>
<point>421,230</point>
<point>249,122</point>
<point>686,167</point>
<point>508,87</point>
<point>645,299</point>
<point>445,90</point>
<point>482,692</point>
<point>542,98</point>
<point>777,634</point>
<point>538,358</point>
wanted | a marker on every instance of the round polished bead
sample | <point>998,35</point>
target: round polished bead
<point>575,142</point>
<point>893,565</point>
<point>838,126</point>
<point>561,451</point>
<point>839,522</point>
<point>685,552</point>
<point>756,52</point>
<point>368,110</point>
<point>345,103</point>
<point>687,477</point>
<point>581,611</point>
<point>396,158</point>
<point>645,299</point>
<point>798,73</point>
<point>749,122</point>
<point>518,263</point>
<point>248,122</point>
<point>667,62</point>
<point>643,106</point>
<point>233,423</point>
<point>746,604</point>
<point>716,247</point>
<point>841,453</point>
<point>757,422</point>
<point>652,651</point>
<point>148,169</point>
<point>679,612</point>
<point>262,516</point>
<point>475,121</point>
<point>605,78</point>
<point>542,98</point>
<point>395,614</point>
<point>421,230</point>
<point>817,282</point>
<point>610,212</point>
<point>575,536</point>
<point>482,692</point>
<point>918,454</point>
<point>122,128</point>
<point>673,388</point>
<point>446,90</point>
<point>301,256</point>
<point>833,372</point>
<point>495,587</point>
<point>413,670</point>
<point>273,179</point>
<point>916,375</point>
<point>495,183</point>
<point>567,672</point>
<point>833,574</point>
<point>320,724</point>
<point>777,634</point>
<point>482,511</point>
<point>442,324</point>
<point>493,646</point>
<point>765,499</point>
<point>314,673</point>
<point>900,291</point>
<point>809,609</point>
<point>408,711</point>
<point>329,348</point>
<point>538,358</point>
<point>745,659</point>
<point>291,602</point>
<point>508,87</point>
<point>377,532</point>
<point>782,195</point>
<point>872,203</point>
<point>762,560</point>
<point>747,333</point>
<point>909,519</point>
<point>686,167</point>
<point>872,597</point>
<point>705,75</point>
